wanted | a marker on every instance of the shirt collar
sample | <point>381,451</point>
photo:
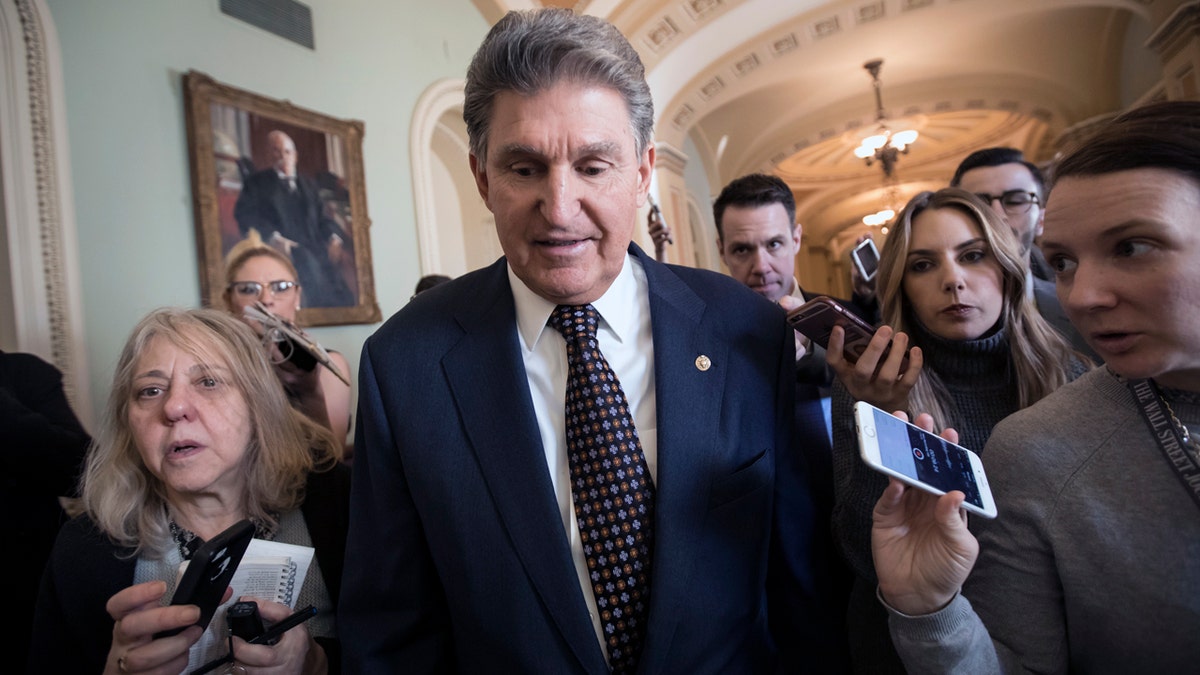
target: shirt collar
<point>617,307</point>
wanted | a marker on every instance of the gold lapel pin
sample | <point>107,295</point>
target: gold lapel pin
<point>703,363</point>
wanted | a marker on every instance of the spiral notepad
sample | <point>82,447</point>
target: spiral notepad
<point>271,578</point>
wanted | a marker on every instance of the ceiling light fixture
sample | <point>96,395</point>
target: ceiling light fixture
<point>879,217</point>
<point>884,146</point>
<point>882,217</point>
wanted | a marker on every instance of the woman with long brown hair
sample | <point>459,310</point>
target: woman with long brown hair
<point>952,288</point>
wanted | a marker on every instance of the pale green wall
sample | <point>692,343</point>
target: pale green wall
<point>122,64</point>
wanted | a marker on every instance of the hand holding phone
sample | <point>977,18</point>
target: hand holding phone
<point>921,458</point>
<point>210,571</point>
<point>881,378</point>
<point>816,319</point>
<point>921,546</point>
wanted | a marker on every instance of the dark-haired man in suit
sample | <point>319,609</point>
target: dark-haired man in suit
<point>533,497</point>
<point>758,239</point>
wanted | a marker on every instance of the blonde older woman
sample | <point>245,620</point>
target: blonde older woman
<point>197,435</point>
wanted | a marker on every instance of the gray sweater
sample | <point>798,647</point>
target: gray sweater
<point>1093,564</point>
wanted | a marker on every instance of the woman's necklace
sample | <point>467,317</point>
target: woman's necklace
<point>189,542</point>
<point>1150,389</point>
<point>1189,441</point>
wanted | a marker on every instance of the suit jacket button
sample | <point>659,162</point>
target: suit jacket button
<point>703,363</point>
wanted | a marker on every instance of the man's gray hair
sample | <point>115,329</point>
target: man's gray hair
<point>527,52</point>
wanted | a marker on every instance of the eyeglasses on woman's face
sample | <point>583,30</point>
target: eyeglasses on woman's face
<point>254,289</point>
<point>1013,201</point>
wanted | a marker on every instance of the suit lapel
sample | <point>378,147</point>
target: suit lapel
<point>487,378</point>
<point>688,408</point>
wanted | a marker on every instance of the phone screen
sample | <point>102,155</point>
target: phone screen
<point>925,457</point>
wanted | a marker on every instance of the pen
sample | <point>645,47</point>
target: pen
<point>272,634</point>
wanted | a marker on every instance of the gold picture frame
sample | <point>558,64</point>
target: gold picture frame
<point>326,230</point>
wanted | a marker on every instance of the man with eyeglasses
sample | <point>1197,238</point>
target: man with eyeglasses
<point>1015,190</point>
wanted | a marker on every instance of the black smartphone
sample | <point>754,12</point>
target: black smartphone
<point>210,571</point>
<point>866,259</point>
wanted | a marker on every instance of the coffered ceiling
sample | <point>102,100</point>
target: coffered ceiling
<point>779,86</point>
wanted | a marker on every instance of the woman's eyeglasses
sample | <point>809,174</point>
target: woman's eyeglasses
<point>253,289</point>
<point>1013,201</point>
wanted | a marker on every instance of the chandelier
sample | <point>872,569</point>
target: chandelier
<point>884,146</point>
<point>882,217</point>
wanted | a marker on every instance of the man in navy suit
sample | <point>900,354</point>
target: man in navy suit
<point>758,239</point>
<point>465,552</point>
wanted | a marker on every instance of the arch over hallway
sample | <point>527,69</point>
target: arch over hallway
<point>455,231</point>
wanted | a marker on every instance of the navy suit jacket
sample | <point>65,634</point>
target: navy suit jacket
<point>457,558</point>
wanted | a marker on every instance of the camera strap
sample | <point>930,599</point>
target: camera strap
<point>1168,434</point>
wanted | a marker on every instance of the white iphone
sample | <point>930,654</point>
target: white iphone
<point>866,259</point>
<point>922,459</point>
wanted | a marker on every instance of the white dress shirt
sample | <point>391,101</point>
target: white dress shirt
<point>626,341</point>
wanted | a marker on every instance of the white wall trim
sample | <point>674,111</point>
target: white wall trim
<point>39,209</point>
<point>443,95</point>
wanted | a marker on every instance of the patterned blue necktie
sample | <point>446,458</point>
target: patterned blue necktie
<point>611,488</point>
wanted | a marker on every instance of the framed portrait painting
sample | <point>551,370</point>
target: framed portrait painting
<point>273,173</point>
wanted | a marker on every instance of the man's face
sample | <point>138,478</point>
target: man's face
<point>564,180</point>
<point>283,154</point>
<point>759,246</point>
<point>995,181</point>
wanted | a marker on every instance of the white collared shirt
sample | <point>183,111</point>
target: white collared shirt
<point>626,341</point>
